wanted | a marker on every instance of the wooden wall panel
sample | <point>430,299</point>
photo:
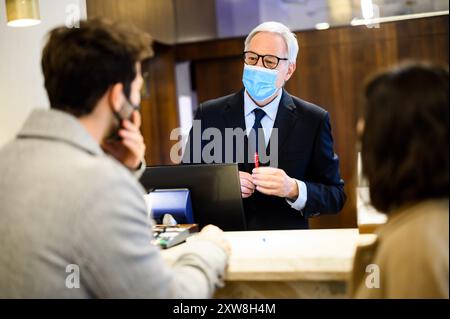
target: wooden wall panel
<point>195,24</point>
<point>226,74</point>
<point>168,21</point>
<point>155,16</point>
<point>159,110</point>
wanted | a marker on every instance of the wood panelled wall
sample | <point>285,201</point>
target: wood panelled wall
<point>159,108</point>
<point>168,21</point>
<point>331,69</point>
<point>156,16</point>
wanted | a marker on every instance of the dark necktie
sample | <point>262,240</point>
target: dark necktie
<point>258,131</point>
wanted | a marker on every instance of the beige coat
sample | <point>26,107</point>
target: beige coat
<point>410,257</point>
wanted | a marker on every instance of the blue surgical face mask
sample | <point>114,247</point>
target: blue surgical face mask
<point>259,82</point>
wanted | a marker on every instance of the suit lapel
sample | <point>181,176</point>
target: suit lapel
<point>233,114</point>
<point>234,111</point>
<point>285,119</point>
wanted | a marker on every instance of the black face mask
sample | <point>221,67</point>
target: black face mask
<point>124,113</point>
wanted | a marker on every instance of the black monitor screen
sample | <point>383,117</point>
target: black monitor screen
<point>215,191</point>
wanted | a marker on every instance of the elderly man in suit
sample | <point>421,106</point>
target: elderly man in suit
<point>300,177</point>
<point>73,221</point>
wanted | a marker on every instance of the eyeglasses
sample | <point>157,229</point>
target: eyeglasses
<point>269,61</point>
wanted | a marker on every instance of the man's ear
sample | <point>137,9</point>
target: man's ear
<point>291,69</point>
<point>115,96</point>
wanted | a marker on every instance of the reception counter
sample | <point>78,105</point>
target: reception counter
<point>288,263</point>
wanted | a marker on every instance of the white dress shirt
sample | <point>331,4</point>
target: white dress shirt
<point>267,123</point>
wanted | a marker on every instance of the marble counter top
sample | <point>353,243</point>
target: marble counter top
<point>289,255</point>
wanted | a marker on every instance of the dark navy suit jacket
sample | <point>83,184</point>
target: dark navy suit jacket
<point>305,152</point>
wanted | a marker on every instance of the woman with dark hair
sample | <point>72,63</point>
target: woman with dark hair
<point>405,160</point>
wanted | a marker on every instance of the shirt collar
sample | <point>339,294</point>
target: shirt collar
<point>58,125</point>
<point>270,109</point>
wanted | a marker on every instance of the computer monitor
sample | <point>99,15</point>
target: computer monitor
<point>215,191</point>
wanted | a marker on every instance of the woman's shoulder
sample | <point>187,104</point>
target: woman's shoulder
<point>419,223</point>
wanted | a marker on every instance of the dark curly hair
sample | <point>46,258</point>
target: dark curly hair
<point>405,140</point>
<point>80,64</point>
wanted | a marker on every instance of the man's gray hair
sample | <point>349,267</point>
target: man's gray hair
<point>275,27</point>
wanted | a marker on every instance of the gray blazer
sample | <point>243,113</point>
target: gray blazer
<point>67,208</point>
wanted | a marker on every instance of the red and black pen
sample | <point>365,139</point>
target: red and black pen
<point>256,160</point>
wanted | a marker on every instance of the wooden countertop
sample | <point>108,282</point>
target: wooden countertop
<point>289,255</point>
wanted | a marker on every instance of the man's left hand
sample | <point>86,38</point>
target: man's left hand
<point>275,182</point>
<point>130,149</point>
